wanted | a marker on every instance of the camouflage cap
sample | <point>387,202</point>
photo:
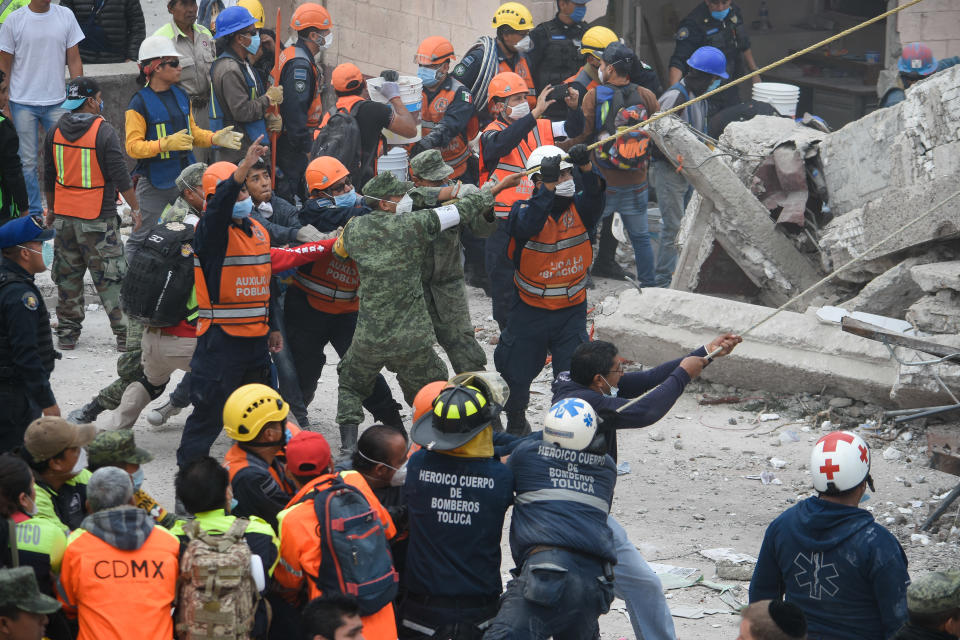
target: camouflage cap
<point>18,588</point>
<point>112,448</point>
<point>191,177</point>
<point>935,592</point>
<point>429,165</point>
<point>385,185</point>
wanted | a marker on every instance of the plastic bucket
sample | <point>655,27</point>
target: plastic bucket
<point>783,97</point>
<point>394,161</point>
<point>411,94</point>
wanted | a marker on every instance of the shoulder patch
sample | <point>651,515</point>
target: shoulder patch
<point>461,68</point>
<point>300,73</point>
<point>300,85</point>
<point>734,18</point>
<point>30,301</point>
<point>683,33</point>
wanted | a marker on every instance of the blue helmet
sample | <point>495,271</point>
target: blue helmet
<point>917,58</point>
<point>233,19</point>
<point>707,59</point>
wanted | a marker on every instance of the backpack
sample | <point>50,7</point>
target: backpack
<point>355,553</point>
<point>339,137</point>
<point>159,280</point>
<point>619,108</point>
<point>217,594</point>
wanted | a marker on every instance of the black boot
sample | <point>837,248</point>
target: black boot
<point>87,413</point>
<point>348,440</point>
<point>517,424</point>
<point>606,265</point>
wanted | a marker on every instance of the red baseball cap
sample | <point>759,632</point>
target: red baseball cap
<point>308,454</point>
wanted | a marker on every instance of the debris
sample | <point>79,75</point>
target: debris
<point>768,417</point>
<point>734,571</point>
<point>726,553</point>
<point>656,436</point>
<point>840,403</point>
<point>919,537</point>
<point>677,445</point>
<point>623,468</point>
<point>699,517</point>
<point>777,463</point>
<point>694,613</point>
<point>891,453</point>
<point>789,436</point>
<point>672,577</point>
<point>93,307</point>
<point>937,276</point>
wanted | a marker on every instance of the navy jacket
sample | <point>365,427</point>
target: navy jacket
<point>326,217</point>
<point>527,217</point>
<point>847,573</point>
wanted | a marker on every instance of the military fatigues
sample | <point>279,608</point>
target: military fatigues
<point>26,354</point>
<point>555,57</point>
<point>700,29</point>
<point>930,594</point>
<point>394,328</point>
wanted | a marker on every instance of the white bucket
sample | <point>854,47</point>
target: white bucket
<point>394,161</point>
<point>783,97</point>
<point>411,93</point>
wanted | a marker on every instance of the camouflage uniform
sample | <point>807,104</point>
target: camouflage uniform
<point>444,289</point>
<point>394,329</point>
<point>935,592</point>
<point>80,245</point>
<point>19,590</point>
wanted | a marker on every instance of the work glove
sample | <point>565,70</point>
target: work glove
<point>390,75</point>
<point>274,123</point>
<point>228,138</point>
<point>550,169</point>
<point>179,141</point>
<point>309,233</point>
<point>579,154</point>
<point>390,90</point>
<point>417,149</point>
<point>275,95</point>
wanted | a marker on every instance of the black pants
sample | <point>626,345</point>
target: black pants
<point>500,269</point>
<point>18,412</point>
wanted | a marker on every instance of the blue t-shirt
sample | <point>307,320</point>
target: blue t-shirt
<point>456,508</point>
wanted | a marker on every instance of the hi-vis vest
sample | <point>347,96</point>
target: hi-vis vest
<point>78,191</point>
<point>457,152</point>
<point>514,162</point>
<point>237,458</point>
<point>253,129</point>
<point>163,169</point>
<point>552,265</point>
<point>316,107</point>
<point>582,77</point>
<point>244,304</point>
<point>331,284</point>
<point>522,70</point>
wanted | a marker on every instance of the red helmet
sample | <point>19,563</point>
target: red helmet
<point>917,59</point>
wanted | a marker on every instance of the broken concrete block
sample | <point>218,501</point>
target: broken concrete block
<point>937,276</point>
<point>759,136</point>
<point>937,313</point>
<point>889,294</point>
<point>729,570</point>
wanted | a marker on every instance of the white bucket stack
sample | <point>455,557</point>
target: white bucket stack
<point>411,93</point>
<point>783,97</point>
<point>395,161</point>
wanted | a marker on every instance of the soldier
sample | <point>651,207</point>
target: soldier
<point>394,328</point>
<point>23,609</point>
<point>933,603</point>
<point>443,278</point>
<point>26,343</point>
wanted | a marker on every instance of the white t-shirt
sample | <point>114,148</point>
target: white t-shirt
<point>39,43</point>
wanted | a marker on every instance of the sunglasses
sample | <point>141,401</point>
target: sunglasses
<point>170,63</point>
<point>342,187</point>
<point>249,34</point>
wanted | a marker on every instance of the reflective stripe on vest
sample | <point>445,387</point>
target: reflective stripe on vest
<point>163,169</point>
<point>331,284</point>
<point>252,129</point>
<point>522,70</point>
<point>515,162</point>
<point>315,111</point>
<point>457,151</point>
<point>78,190</point>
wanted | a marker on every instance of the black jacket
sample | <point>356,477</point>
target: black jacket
<point>114,29</point>
<point>13,190</point>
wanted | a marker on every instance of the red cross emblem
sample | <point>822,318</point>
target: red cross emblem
<point>829,468</point>
<point>863,453</point>
<point>831,439</point>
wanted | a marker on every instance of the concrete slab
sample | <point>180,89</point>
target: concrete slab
<point>937,276</point>
<point>936,313</point>
<point>889,294</point>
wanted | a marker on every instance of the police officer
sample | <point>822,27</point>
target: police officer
<point>302,81</point>
<point>556,52</point>
<point>933,602</point>
<point>715,23</point>
<point>26,342</point>
<point>550,246</point>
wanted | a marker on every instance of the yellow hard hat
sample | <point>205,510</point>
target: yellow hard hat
<point>513,15</point>
<point>596,39</point>
<point>255,9</point>
<point>250,408</point>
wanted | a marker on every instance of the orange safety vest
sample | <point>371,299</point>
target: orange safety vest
<point>243,307</point>
<point>514,162</point>
<point>331,284</point>
<point>583,78</point>
<point>78,191</point>
<point>552,265</point>
<point>457,152</point>
<point>522,70</point>
<point>316,107</point>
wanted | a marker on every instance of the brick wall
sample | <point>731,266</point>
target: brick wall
<point>935,22</point>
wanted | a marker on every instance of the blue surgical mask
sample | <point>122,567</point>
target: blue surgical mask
<point>720,15</point>
<point>233,504</point>
<point>137,477</point>
<point>348,199</point>
<point>242,208</point>
<point>713,85</point>
<point>579,13</point>
<point>254,45</point>
<point>101,106</point>
<point>613,390</point>
<point>428,75</point>
<point>48,253</point>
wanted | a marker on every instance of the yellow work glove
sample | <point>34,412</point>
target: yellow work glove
<point>228,138</point>
<point>274,123</point>
<point>179,141</point>
<point>275,95</point>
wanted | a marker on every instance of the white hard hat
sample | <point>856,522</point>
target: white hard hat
<point>570,423</point>
<point>157,47</point>
<point>546,151</point>
<point>840,461</point>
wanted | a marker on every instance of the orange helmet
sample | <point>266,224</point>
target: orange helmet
<point>311,14</point>
<point>214,174</point>
<point>324,172</point>
<point>506,84</point>
<point>423,401</point>
<point>347,77</point>
<point>434,50</point>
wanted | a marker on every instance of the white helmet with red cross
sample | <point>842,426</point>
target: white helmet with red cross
<point>840,461</point>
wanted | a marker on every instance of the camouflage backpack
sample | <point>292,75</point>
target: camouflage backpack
<point>217,594</point>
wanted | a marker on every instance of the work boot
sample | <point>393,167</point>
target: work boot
<point>348,439</point>
<point>87,413</point>
<point>517,424</point>
<point>161,414</point>
<point>67,343</point>
<point>606,265</point>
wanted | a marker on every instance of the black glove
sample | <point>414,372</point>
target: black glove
<point>579,154</point>
<point>390,75</point>
<point>550,169</point>
<point>417,149</point>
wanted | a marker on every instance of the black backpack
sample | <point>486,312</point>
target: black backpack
<point>159,280</point>
<point>339,137</point>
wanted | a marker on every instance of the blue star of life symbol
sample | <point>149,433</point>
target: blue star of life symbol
<point>573,406</point>
<point>815,575</point>
<point>588,420</point>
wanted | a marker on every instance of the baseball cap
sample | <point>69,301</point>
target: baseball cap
<point>24,229</point>
<point>308,454</point>
<point>48,436</point>
<point>934,592</point>
<point>346,77</point>
<point>18,588</point>
<point>618,53</point>
<point>115,448</point>
<point>78,90</point>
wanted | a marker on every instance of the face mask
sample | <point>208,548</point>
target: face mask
<point>81,463</point>
<point>399,476</point>
<point>520,111</point>
<point>600,75</point>
<point>720,15</point>
<point>137,477</point>
<point>613,390</point>
<point>525,45</point>
<point>325,41</point>
<point>242,208</point>
<point>254,45</point>
<point>566,189</point>
<point>865,497</point>
<point>405,205</point>
<point>347,199</point>
<point>579,13</point>
<point>101,106</point>
<point>428,75</point>
<point>48,253</point>
<point>233,504</point>
<point>713,85</point>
